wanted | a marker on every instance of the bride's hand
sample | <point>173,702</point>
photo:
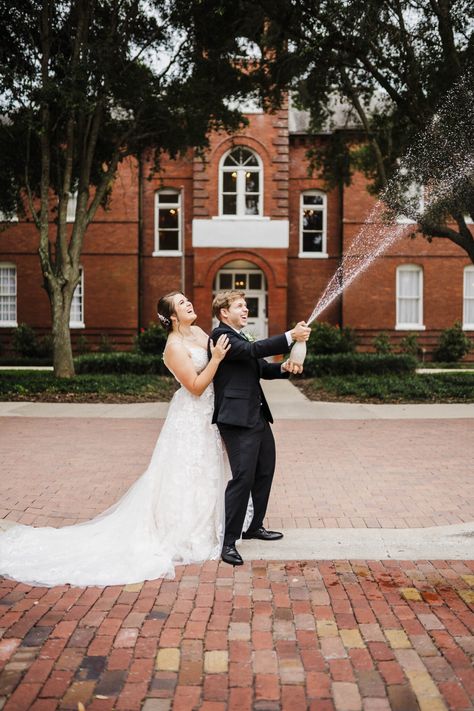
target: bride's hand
<point>218,351</point>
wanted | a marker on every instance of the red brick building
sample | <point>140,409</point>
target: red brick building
<point>249,216</point>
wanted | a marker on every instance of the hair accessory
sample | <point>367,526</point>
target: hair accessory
<point>165,321</point>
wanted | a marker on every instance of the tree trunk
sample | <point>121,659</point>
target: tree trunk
<point>60,312</point>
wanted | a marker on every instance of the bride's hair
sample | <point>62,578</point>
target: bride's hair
<point>165,310</point>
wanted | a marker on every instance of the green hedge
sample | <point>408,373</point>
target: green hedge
<point>137,363</point>
<point>358,364</point>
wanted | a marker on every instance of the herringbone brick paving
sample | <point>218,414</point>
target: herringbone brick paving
<point>360,636</point>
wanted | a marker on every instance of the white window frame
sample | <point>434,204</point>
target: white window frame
<point>71,207</point>
<point>179,205</point>
<point>80,286</point>
<point>467,326</point>
<point>240,214</point>
<point>409,326</point>
<point>5,218</point>
<point>323,254</point>
<point>11,323</point>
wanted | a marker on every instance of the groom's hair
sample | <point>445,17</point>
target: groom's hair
<point>223,300</point>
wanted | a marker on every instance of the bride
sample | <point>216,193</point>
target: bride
<point>173,514</point>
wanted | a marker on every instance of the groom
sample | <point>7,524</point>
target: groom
<point>243,416</point>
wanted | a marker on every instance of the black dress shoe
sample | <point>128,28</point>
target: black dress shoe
<point>263,534</point>
<point>231,555</point>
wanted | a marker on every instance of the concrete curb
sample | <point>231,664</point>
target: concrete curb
<point>454,542</point>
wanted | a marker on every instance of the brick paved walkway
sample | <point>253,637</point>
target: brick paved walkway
<point>270,636</point>
<point>364,636</point>
<point>365,473</point>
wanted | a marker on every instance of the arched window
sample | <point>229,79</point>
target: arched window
<point>313,221</point>
<point>241,183</point>
<point>168,237</point>
<point>8,295</point>
<point>409,297</point>
<point>468,301</point>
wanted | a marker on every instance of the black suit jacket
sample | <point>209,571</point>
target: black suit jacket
<point>238,396</point>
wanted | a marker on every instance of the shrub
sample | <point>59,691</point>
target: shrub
<point>453,344</point>
<point>409,344</point>
<point>358,364</point>
<point>382,344</point>
<point>120,363</point>
<point>27,345</point>
<point>327,339</point>
<point>82,345</point>
<point>24,341</point>
<point>105,344</point>
<point>151,340</point>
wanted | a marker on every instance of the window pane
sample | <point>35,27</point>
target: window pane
<point>312,242</point>
<point>169,240</point>
<point>469,283</point>
<point>313,220</point>
<point>251,182</point>
<point>7,294</point>
<point>240,281</point>
<point>252,305</point>
<point>313,199</point>
<point>469,311</point>
<point>251,204</point>
<point>408,311</point>
<point>232,159</point>
<point>225,281</point>
<point>408,283</point>
<point>168,198</point>
<point>255,281</point>
<point>248,157</point>
<point>168,218</point>
<point>230,182</point>
<point>229,204</point>
<point>7,308</point>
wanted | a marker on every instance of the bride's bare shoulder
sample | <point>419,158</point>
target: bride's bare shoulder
<point>174,348</point>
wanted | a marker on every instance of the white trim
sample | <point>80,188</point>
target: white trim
<point>12,323</point>
<point>167,253</point>
<point>323,253</point>
<point>418,326</point>
<point>313,255</point>
<point>240,184</point>
<point>241,233</point>
<point>241,217</point>
<point>466,326</point>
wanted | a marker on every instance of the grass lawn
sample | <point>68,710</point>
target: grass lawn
<point>43,386</point>
<point>439,387</point>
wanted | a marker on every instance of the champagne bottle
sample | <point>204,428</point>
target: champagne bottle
<point>298,352</point>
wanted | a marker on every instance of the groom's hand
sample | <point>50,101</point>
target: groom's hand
<point>301,332</point>
<point>293,368</point>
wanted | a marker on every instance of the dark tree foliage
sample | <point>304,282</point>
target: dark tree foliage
<point>400,65</point>
<point>86,83</point>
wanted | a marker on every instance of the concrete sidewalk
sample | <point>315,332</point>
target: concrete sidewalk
<point>286,401</point>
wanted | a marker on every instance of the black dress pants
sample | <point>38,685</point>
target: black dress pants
<point>251,453</point>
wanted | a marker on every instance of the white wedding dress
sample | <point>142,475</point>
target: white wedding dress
<point>173,514</point>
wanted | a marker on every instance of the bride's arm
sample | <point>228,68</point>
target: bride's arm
<point>176,358</point>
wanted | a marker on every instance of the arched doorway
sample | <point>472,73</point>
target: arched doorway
<point>242,275</point>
